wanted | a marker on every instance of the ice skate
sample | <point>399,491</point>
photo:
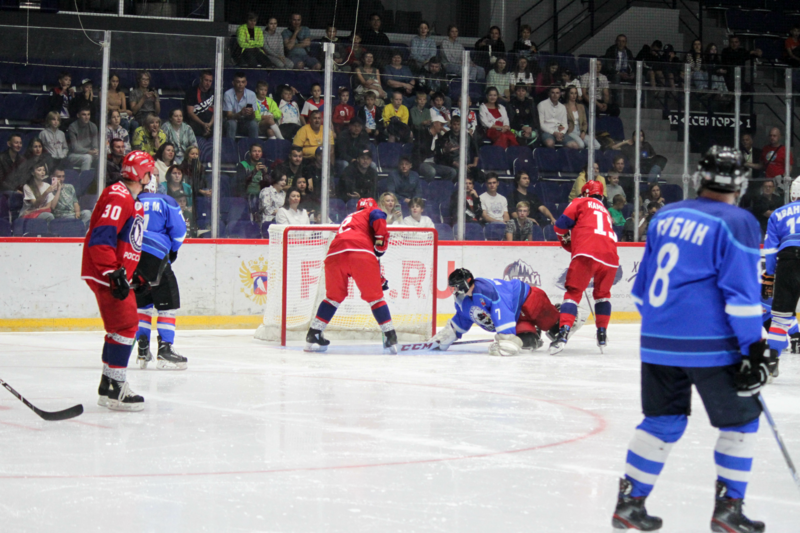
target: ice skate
<point>120,396</point>
<point>102,392</point>
<point>772,365</point>
<point>630,512</point>
<point>144,356</point>
<point>795,343</point>
<point>390,342</point>
<point>729,517</point>
<point>601,339</point>
<point>315,342</point>
<point>168,358</point>
<point>530,341</point>
<point>560,341</point>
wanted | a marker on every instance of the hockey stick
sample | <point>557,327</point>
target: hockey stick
<point>66,414</point>
<point>414,347</point>
<point>778,438</point>
<point>589,301</point>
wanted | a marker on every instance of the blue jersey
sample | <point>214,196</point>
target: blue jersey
<point>495,305</point>
<point>165,227</point>
<point>697,288</point>
<point>783,231</point>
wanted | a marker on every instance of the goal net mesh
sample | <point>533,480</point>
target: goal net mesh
<point>297,257</point>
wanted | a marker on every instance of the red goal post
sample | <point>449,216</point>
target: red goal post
<point>296,285</point>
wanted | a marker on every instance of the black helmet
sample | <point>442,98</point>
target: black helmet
<point>460,280</point>
<point>722,170</point>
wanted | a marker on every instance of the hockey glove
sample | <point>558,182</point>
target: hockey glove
<point>384,284</point>
<point>139,284</point>
<point>752,374</point>
<point>446,336</point>
<point>380,247</point>
<point>173,256</point>
<point>767,286</point>
<point>566,241</point>
<point>118,281</point>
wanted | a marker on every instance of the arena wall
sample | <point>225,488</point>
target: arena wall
<point>43,289</point>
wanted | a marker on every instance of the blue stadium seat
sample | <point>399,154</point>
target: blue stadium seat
<point>671,192</point>
<point>265,229</point>
<point>475,91</point>
<point>619,231</point>
<point>548,162</point>
<point>521,153</point>
<point>494,232</point>
<point>88,201</point>
<point>473,232</point>
<point>611,125</point>
<point>575,160</point>
<point>275,149</point>
<point>67,227</point>
<point>230,152</point>
<point>5,228</point>
<point>445,232</point>
<point>206,149</point>
<point>243,146</point>
<point>550,233</point>
<point>537,235</point>
<point>243,229</point>
<point>627,210</point>
<point>505,187</point>
<point>382,186</point>
<point>85,180</point>
<point>389,155</point>
<point>553,192</point>
<point>233,209</point>
<point>493,158</point>
<point>337,210</point>
<point>72,177</point>
<point>31,227</point>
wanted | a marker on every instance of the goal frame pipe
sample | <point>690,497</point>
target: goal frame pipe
<point>329,227</point>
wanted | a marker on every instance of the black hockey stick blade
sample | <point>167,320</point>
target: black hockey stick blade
<point>54,416</point>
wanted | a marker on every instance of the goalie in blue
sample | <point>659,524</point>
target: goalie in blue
<point>516,312</point>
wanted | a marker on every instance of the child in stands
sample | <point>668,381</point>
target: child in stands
<point>315,102</point>
<point>344,112</point>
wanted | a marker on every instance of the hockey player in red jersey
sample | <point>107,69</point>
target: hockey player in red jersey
<point>354,253</point>
<point>586,231</point>
<point>111,253</point>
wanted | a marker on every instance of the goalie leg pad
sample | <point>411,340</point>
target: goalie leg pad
<point>445,336</point>
<point>505,345</point>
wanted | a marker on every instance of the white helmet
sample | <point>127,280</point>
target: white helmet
<point>795,190</point>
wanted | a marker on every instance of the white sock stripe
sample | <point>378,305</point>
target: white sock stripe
<point>168,327</point>
<point>335,304</point>
<point>569,302</point>
<point>776,337</point>
<point>649,447</point>
<point>736,444</point>
<point>145,325</point>
<point>150,311</point>
<point>167,314</point>
<point>638,475</point>
<point>781,314</point>
<point>316,323</point>
<point>387,327</point>
<point>116,337</point>
<point>598,300</point>
<point>733,475</point>
<point>375,302</point>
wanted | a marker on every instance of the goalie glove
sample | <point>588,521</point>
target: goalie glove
<point>505,345</point>
<point>118,282</point>
<point>767,286</point>
<point>752,373</point>
<point>446,336</point>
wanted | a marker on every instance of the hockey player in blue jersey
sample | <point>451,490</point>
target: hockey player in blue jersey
<point>516,312</point>
<point>697,291</point>
<point>165,229</point>
<point>782,273</point>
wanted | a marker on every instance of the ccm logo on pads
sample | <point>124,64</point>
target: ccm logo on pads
<point>421,346</point>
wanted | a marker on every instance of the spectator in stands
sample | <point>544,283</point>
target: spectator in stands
<point>12,164</point>
<point>422,49</point>
<point>355,52</point>
<point>292,168</point>
<point>520,227</point>
<point>580,181</point>
<point>371,115</point>
<point>613,188</point>
<point>343,113</point>
<point>617,205</point>
<point>473,211</point>
<point>494,119</point>
<point>115,130</point>
<point>35,154</point>
<point>149,136</point>
<point>250,39</point>
<point>490,48</point>
<point>433,80</point>
<point>312,171</point>
<point>449,148</point>
<point>369,79</point>
<point>672,66</point>
<point>426,146</point>
<point>420,114</point>
<point>416,218</point>
<point>453,56</point>
<point>273,46</point>
<point>650,163</point>
<point>522,75</point>
<point>388,204</point>
<point>577,125</point>
<point>552,118</point>
<point>199,105</point>
<point>603,100</point>
<point>791,47</point>
<point>194,174</point>
<point>540,214</point>
<point>309,137</point>
<point>715,69</point>
<point>291,120</point>
<point>651,57</point>
<point>568,79</point>
<point>653,195</point>
<point>773,156</point>
<point>621,61</point>
<point>86,98</point>
<point>695,59</point>
<point>628,234</point>
<point>165,158</point>
<point>524,46</point>
<point>495,206</point>
<point>398,77</point>
<point>114,161</point>
<point>252,175</point>
<point>617,172</point>
<point>359,180</point>
<point>395,119</point>
<point>339,53</point>
<point>39,197</point>
<point>735,56</point>
<point>144,99</point>
<point>62,95</point>
<point>174,184</point>
<point>376,41</point>
<point>751,156</point>
<point>472,117</point>
<point>438,108</point>
<point>766,203</point>
<point>291,213</point>
<point>501,80</point>
<point>179,134</point>
<point>313,102</point>
<point>272,198</point>
<point>404,182</point>
<point>239,105</point>
<point>67,205</point>
<point>268,114</point>
<point>350,144</point>
<point>551,75</point>
<point>523,116</point>
<point>296,41</point>
<point>54,140</point>
<point>83,139</point>
<point>308,200</point>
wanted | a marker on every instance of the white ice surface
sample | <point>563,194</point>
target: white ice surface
<point>259,438</point>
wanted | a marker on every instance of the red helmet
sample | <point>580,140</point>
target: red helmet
<point>364,203</point>
<point>136,164</point>
<point>592,188</point>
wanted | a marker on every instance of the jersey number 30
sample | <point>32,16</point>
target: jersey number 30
<point>660,282</point>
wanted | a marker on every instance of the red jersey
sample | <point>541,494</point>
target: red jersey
<point>343,113</point>
<point>359,232</point>
<point>115,235</point>
<point>774,160</point>
<point>591,231</point>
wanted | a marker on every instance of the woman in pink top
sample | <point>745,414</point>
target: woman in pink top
<point>494,118</point>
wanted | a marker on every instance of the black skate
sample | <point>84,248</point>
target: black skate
<point>102,392</point>
<point>602,341</point>
<point>630,512</point>
<point>772,365</point>
<point>144,356</point>
<point>560,341</point>
<point>530,341</point>
<point>168,358</point>
<point>729,517</point>
<point>390,342</point>
<point>795,343</point>
<point>120,397</point>
<point>315,342</point>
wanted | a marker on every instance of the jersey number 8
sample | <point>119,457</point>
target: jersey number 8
<point>671,252</point>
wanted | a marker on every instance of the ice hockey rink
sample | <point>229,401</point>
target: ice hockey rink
<point>261,438</point>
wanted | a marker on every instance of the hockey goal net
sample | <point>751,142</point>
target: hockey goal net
<point>296,285</point>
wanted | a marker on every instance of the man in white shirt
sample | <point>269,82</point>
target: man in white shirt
<point>495,206</point>
<point>552,118</point>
